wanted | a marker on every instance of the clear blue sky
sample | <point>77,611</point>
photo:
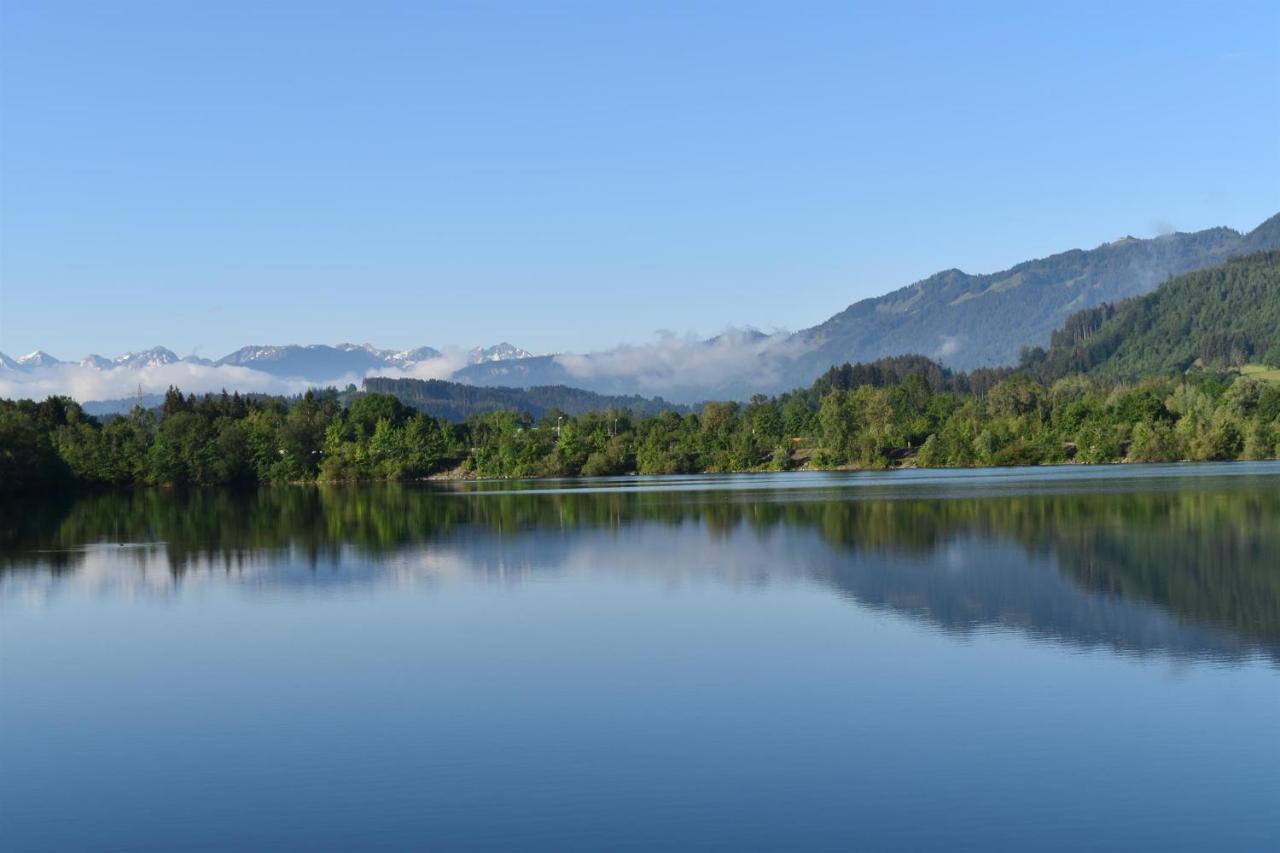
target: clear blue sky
<point>567,176</point>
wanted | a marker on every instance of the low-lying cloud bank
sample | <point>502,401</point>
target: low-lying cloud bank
<point>679,367</point>
<point>683,365</point>
<point>451,360</point>
<point>84,383</point>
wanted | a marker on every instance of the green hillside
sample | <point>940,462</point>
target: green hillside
<point>453,401</point>
<point>1222,318</point>
<point>969,321</point>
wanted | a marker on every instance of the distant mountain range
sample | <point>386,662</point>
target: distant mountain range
<point>959,319</point>
<point>320,363</point>
<point>963,321</point>
<point>973,321</point>
<point>314,362</point>
<point>498,352</point>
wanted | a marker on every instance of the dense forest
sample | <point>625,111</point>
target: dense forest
<point>455,401</point>
<point>1217,318</point>
<point>1203,342</point>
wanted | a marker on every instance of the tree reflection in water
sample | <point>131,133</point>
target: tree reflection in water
<point>1181,565</point>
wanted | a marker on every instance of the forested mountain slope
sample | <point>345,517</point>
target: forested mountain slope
<point>961,320</point>
<point>455,402</point>
<point>970,321</point>
<point>1218,318</point>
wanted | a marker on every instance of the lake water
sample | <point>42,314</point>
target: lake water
<point>1034,659</point>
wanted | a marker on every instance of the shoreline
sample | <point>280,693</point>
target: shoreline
<point>457,475</point>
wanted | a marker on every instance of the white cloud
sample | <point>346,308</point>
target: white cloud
<point>88,383</point>
<point>949,347</point>
<point>84,383</point>
<point>451,360</point>
<point>677,362</point>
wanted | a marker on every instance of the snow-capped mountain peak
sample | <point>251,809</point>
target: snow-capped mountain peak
<point>365,347</point>
<point>400,358</point>
<point>154,357</point>
<point>324,363</point>
<point>413,356</point>
<point>345,362</point>
<point>498,352</point>
<point>37,358</point>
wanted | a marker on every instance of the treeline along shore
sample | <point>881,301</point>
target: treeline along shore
<point>1188,372</point>
<point>867,416</point>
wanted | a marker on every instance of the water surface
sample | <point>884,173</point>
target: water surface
<point>1075,658</point>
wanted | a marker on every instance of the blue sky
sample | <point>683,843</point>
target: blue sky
<point>568,176</point>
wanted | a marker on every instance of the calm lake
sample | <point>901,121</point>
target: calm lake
<point>1016,659</point>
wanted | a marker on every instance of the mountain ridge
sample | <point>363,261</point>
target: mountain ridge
<point>954,311</point>
<point>962,320</point>
<point>311,362</point>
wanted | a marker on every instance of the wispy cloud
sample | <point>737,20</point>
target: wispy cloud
<point>451,360</point>
<point>88,383</point>
<point>679,362</point>
<point>84,383</point>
